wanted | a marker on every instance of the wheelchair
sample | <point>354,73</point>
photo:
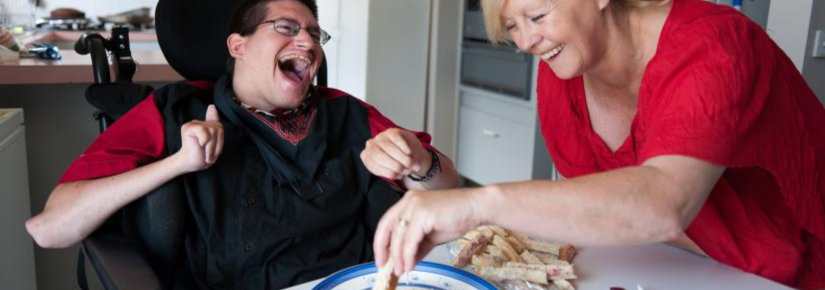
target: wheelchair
<point>140,246</point>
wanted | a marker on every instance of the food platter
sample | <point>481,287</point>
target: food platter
<point>426,275</point>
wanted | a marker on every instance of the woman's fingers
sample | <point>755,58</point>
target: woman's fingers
<point>410,231</point>
<point>397,243</point>
<point>424,248</point>
<point>412,239</point>
<point>384,231</point>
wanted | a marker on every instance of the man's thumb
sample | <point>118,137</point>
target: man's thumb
<point>212,113</point>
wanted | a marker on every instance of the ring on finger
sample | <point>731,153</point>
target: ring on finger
<point>403,223</point>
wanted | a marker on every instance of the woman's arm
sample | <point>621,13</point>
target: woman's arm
<point>654,202</point>
<point>642,204</point>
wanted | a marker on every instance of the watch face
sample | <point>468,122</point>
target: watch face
<point>426,275</point>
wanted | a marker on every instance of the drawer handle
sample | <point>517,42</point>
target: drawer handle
<point>489,133</point>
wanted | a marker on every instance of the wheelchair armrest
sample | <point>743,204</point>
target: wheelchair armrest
<point>118,264</point>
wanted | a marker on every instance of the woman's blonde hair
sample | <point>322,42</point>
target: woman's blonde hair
<point>497,33</point>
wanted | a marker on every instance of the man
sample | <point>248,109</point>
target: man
<point>278,174</point>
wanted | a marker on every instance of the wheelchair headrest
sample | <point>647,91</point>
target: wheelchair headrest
<point>192,35</point>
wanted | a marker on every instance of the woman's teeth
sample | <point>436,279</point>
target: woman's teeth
<point>552,53</point>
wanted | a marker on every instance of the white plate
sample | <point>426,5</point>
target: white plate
<point>426,275</point>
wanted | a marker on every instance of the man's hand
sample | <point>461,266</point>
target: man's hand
<point>395,153</point>
<point>202,142</point>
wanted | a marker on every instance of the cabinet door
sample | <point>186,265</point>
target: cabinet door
<point>16,248</point>
<point>492,149</point>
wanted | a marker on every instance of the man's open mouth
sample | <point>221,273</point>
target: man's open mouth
<point>295,67</point>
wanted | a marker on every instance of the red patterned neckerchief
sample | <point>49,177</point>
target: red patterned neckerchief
<point>291,124</point>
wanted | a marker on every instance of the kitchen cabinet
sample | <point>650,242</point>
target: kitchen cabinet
<point>499,139</point>
<point>16,247</point>
<point>498,135</point>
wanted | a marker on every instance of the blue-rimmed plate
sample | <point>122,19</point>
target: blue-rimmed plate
<point>426,275</point>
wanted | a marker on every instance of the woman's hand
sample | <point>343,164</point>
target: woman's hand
<point>395,153</point>
<point>420,221</point>
<point>201,142</point>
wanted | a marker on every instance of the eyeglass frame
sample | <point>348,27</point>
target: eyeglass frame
<point>323,35</point>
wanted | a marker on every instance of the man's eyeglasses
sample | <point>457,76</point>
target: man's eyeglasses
<point>289,27</point>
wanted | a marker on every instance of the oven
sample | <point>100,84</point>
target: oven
<point>501,68</point>
<point>498,68</point>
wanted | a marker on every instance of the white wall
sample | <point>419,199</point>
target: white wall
<point>379,53</point>
<point>814,68</point>
<point>788,23</point>
<point>346,52</point>
<point>792,24</point>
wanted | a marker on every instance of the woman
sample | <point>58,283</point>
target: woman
<point>675,121</point>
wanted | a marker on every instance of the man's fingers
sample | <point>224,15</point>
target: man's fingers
<point>395,152</point>
<point>208,138</point>
<point>401,141</point>
<point>212,114</point>
<point>384,160</point>
<point>415,148</point>
<point>201,134</point>
<point>376,168</point>
<point>376,154</point>
<point>210,150</point>
<point>220,141</point>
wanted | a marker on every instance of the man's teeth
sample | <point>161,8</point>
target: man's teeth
<point>295,64</point>
<point>552,53</point>
<point>295,57</point>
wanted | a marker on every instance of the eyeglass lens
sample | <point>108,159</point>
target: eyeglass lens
<point>290,27</point>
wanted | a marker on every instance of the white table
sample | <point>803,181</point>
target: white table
<point>654,267</point>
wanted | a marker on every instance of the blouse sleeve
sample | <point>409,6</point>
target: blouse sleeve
<point>726,94</point>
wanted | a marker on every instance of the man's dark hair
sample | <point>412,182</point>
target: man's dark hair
<point>249,14</point>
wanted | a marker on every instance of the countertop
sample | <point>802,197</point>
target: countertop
<point>653,267</point>
<point>75,68</point>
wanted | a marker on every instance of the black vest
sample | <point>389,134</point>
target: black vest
<point>250,230</point>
